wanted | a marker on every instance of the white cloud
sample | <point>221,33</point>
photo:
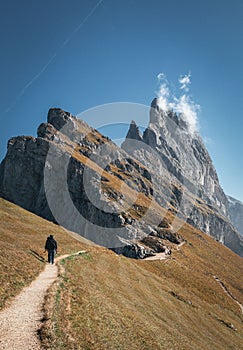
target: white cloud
<point>185,81</point>
<point>161,76</point>
<point>163,95</point>
<point>183,105</point>
<point>163,92</point>
<point>188,110</point>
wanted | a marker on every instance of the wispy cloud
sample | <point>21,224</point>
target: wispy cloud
<point>188,111</point>
<point>185,81</point>
<point>163,92</point>
<point>161,77</point>
<point>184,105</point>
<point>47,64</point>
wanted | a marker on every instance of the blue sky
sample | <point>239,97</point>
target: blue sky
<point>79,54</point>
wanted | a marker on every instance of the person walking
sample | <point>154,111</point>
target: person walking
<point>51,247</point>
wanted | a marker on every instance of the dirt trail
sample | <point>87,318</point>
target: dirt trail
<point>228,293</point>
<point>158,256</point>
<point>20,322</point>
<point>164,255</point>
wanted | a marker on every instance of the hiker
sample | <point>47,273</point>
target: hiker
<point>51,247</point>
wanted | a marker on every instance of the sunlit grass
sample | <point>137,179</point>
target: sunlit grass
<point>22,241</point>
<point>120,303</point>
<point>104,301</point>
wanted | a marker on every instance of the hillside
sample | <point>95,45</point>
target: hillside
<point>73,175</point>
<point>121,199</point>
<point>22,241</point>
<point>107,301</point>
<point>111,302</point>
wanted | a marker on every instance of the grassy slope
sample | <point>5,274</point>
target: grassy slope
<point>104,301</point>
<point>22,241</point>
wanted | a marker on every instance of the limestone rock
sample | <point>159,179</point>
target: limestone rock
<point>183,175</point>
<point>48,175</point>
<point>76,177</point>
<point>133,132</point>
<point>236,213</point>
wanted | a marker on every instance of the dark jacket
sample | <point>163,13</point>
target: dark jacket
<point>51,244</point>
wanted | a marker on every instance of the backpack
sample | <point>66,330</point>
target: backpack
<point>50,244</point>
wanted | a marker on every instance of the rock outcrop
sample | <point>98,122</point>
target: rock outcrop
<point>76,177</point>
<point>133,132</point>
<point>236,213</point>
<point>132,200</point>
<point>184,178</point>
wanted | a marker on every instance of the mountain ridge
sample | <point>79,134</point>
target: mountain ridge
<point>102,299</point>
<point>181,157</point>
<point>107,194</point>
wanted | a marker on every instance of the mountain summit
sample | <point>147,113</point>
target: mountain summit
<point>177,157</point>
<point>133,199</point>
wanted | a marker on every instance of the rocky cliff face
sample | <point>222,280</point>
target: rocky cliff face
<point>184,177</point>
<point>132,200</point>
<point>236,213</point>
<point>78,178</point>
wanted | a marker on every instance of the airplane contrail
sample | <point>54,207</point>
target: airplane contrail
<point>82,23</point>
<point>65,42</point>
<point>21,93</point>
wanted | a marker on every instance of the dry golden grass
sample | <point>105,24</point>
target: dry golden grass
<point>108,302</point>
<point>105,301</point>
<point>22,241</point>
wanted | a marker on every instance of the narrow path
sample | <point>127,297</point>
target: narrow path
<point>157,256</point>
<point>19,323</point>
<point>164,255</point>
<point>180,245</point>
<point>228,293</point>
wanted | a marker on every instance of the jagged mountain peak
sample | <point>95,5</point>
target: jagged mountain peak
<point>159,116</point>
<point>58,117</point>
<point>157,113</point>
<point>176,155</point>
<point>112,195</point>
<point>181,153</point>
<point>133,132</point>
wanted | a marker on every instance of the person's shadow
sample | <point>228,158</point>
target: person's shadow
<point>37,255</point>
